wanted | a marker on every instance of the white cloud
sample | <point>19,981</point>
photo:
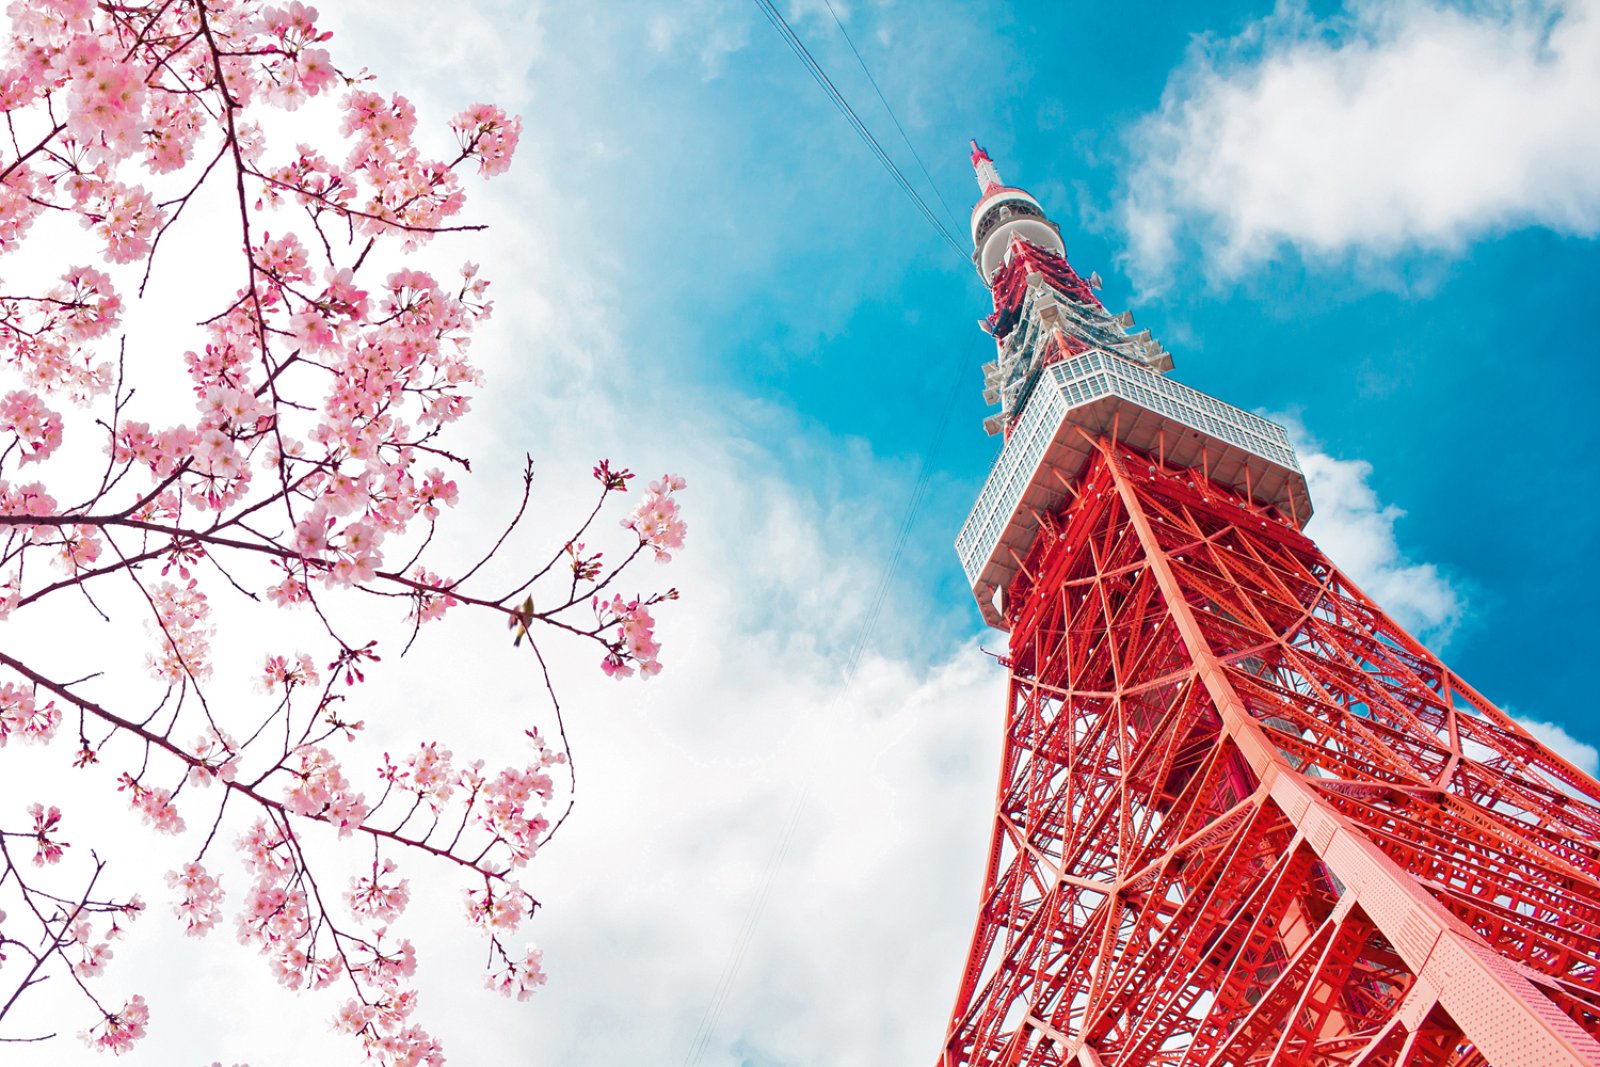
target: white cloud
<point>1580,754</point>
<point>1402,124</point>
<point>712,29</point>
<point>686,781</point>
<point>1357,532</point>
<point>483,50</point>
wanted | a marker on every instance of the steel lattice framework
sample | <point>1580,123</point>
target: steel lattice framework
<point>1243,817</point>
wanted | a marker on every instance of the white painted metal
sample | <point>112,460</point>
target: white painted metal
<point>1103,394</point>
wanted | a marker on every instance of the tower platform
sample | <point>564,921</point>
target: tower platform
<point>1102,394</point>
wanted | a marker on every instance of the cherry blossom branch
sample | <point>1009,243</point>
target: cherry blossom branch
<point>159,740</point>
<point>321,391</point>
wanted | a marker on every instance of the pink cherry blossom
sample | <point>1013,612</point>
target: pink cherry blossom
<point>46,821</point>
<point>19,206</point>
<point>489,135</point>
<point>354,1016</point>
<point>507,811</point>
<point>106,104</point>
<point>199,898</point>
<point>431,605</point>
<point>23,717</point>
<point>289,442</point>
<point>286,672</point>
<point>92,959</point>
<point>36,427</point>
<point>216,758</point>
<point>125,217</point>
<point>117,1032</point>
<point>182,630</point>
<point>373,120</point>
<point>519,978</point>
<point>169,139</point>
<point>656,519</point>
<point>498,907</point>
<point>387,968</point>
<point>377,896</point>
<point>635,643</point>
<point>319,789</point>
<point>154,804</point>
<point>427,773</point>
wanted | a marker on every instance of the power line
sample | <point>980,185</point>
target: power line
<point>707,1028</point>
<point>820,76</point>
<point>892,117</point>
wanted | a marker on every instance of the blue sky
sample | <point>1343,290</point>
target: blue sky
<point>1378,222</point>
<point>773,260</point>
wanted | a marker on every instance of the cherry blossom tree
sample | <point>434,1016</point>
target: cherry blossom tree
<point>282,450</point>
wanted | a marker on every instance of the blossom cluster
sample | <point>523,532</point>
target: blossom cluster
<point>508,808</point>
<point>486,132</point>
<point>284,672</point>
<point>117,1031</point>
<point>35,427</point>
<point>299,71</point>
<point>216,757</point>
<point>47,338</point>
<point>498,908</point>
<point>319,789</point>
<point>384,1028</point>
<point>519,977</point>
<point>431,596</point>
<point>377,896</point>
<point>21,502</point>
<point>22,716</point>
<point>426,773</point>
<point>635,644</point>
<point>656,519</point>
<point>182,626</point>
<point>46,822</point>
<point>92,954</point>
<point>276,915</point>
<point>199,898</point>
<point>154,804</point>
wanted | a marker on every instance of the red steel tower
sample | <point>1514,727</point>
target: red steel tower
<point>1243,817</point>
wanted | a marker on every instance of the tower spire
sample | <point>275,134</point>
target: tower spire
<point>1044,311</point>
<point>1003,212</point>
<point>988,176</point>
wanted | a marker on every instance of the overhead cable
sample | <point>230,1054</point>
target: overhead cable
<point>951,215</point>
<point>820,76</point>
<point>706,1031</point>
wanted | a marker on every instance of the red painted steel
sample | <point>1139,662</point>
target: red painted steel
<point>1244,818</point>
<point>1010,284</point>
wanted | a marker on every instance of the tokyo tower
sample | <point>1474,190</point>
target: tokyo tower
<point>1242,816</point>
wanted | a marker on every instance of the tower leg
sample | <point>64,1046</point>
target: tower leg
<point>1244,818</point>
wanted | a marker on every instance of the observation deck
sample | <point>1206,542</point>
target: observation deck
<point>1106,394</point>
